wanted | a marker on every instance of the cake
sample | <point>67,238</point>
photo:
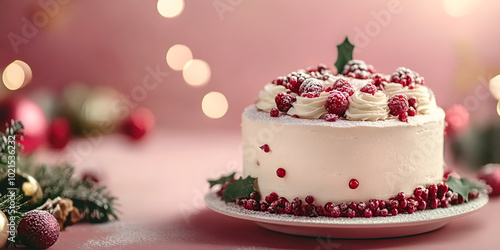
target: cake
<point>363,153</point>
<point>354,144</point>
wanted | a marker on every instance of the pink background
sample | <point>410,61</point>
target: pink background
<point>249,44</point>
<point>113,43</point>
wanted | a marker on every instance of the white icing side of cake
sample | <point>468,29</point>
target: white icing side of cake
<point>320,157</point>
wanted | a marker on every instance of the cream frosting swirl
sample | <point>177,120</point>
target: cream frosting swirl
<point>425,98</point>
<point>266,96</point>
<point>310,108</point>
<point>367,107</point>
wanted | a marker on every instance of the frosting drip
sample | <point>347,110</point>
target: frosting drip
<point>367,107</point>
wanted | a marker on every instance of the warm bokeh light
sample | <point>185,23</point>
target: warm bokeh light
<point>459,8</point>
<point>196,72</point>
<point>170,8</point>
<point>498,108</point>
<point>495,87</point>
<point>178,55</point>
<point>214,105</point>
<point>16,75</point>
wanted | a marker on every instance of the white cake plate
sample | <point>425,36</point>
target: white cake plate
<point>349,228</point>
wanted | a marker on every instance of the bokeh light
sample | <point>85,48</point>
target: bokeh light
<point>498,108</point>
<point>178,55</point>
<point>459,8</point>
<point>214,105</point>
<point>170,8</point>
<point>495,87</point>
<point>16,75</point>
<point>196,72</point>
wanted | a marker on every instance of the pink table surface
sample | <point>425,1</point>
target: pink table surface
<point>161,181</point>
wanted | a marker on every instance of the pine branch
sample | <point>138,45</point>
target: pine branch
<point>12,212</point>
<point>8,141</point>
<point>95,202</point>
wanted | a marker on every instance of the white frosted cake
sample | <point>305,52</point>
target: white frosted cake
<point>341,138</point>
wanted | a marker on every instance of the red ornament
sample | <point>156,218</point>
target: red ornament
<point>457,119</point>
<point>139,123</point>
<point>491,175</point>
<point>353,184</point>
<point>38,229</point>
<point>31,115</point>
<point>59,133</point>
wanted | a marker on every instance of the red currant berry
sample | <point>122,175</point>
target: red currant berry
<point>274,112</point>
<point>353,184</point>
<point>265,148</point>
<point>309,199</point>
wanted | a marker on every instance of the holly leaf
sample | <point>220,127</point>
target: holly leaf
<point>464,186</point>
<point>344,54</point>
<point>221,180</point>
<point>239,188</point>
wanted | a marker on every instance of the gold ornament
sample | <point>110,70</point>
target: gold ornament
<point>27,186</point>
<point>4,229</point>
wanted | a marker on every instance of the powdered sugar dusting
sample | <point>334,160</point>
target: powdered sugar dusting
<point>122,235</point>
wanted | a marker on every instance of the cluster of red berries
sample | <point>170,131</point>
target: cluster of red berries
<point>337,101</point>
<point>294,80</point>
<point>407,77</point>
<point>430,197</point>
<point>379,80</point>
<point>284,101</point>
<point>402,107</point>
<point>358,69</point>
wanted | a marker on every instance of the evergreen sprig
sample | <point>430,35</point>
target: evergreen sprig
<point>12,212</point>
<point>13,132</point>
<point>94,202</point>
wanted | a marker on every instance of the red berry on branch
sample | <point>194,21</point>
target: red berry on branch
<point>140,122</point>
<point>59,133</point>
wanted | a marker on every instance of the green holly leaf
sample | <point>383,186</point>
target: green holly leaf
<point>221,180</point>
<point>344,54</point>
<point>239,188</point>
<point>464,186</point>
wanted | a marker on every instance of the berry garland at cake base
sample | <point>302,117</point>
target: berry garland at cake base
<point>452,191</point>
